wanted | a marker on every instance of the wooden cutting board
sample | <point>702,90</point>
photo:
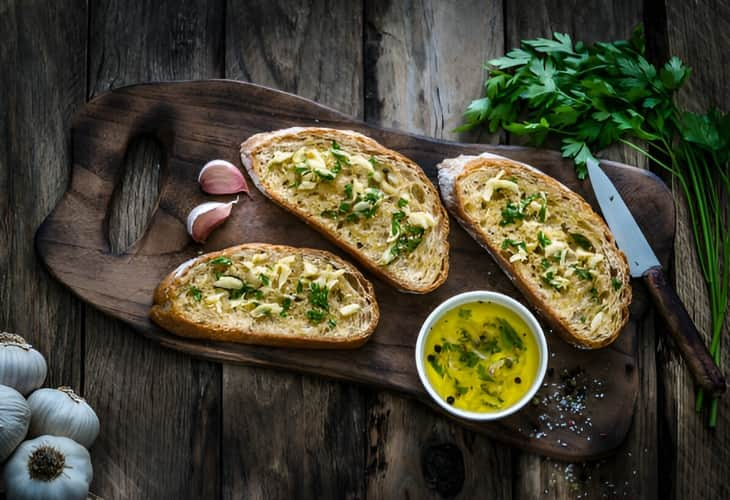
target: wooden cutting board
<point>587,401</point>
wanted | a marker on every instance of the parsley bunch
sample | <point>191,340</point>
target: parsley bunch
<point>592,96</point>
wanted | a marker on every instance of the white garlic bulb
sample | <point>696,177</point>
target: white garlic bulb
<point>48,468</point>
<point>14,420</point>
<point>62,412</point>
<point>21,367</point>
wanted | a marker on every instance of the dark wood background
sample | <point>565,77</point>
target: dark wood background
<point>176,427</point>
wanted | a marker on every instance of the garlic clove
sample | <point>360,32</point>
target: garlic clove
<point>204,218</point>
<point>222,177</point>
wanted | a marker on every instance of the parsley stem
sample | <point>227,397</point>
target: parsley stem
<point>593,96</point>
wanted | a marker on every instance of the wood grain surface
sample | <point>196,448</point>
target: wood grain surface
<point>669,452</point>
<point>595,21</point>
<point>699,33</point>
<point>316,460</point>
<point>426,97</point>
<point>170,395</point>
<point>73,241</point>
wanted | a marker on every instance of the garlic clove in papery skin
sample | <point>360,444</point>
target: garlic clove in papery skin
<point>222,177</point>
<point>204,218</point>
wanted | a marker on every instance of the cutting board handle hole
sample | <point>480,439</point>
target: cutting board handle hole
<point>136,193</point>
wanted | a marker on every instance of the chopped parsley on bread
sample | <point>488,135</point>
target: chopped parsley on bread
<point>372,202</point>
<point>557,250</point>
<point>268,294</point>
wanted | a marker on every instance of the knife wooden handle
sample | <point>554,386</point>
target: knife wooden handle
<point>704,370</point>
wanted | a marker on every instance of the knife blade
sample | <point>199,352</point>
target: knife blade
<point>643,263</point>
<point>626,231</point>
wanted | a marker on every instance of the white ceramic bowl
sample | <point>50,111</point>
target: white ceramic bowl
<point>497,298</point>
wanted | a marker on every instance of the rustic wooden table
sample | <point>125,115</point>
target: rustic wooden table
<point>176,427</point>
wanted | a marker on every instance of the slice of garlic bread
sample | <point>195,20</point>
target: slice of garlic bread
<point>268,294</point>
<point>556,249</point>
<point>372,202</point>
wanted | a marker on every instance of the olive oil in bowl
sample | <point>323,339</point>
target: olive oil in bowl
<point>481,355</point>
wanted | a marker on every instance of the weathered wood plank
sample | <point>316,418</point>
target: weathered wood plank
<point>160,410</point>
<point>421,72</point>
<point>694,457</point>
<point>285,435</point>
<point>49,40</point>
<point>633,471</point>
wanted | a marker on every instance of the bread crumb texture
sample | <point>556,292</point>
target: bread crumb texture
<point>375,202</point>
<point>552,241</point>
<point>272,291</point>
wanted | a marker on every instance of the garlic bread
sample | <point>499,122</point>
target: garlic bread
<point>549,241</point>
<point>374,203</point>
<point>277,295</point>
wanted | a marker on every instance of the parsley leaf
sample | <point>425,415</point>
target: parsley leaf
<point>464,313</point>
<point>196,293</point>
<point>318,296</point>
<point>507,242</point>
<point>316,316</point>
<point>543,240</point>
<point>510,337</point>
<point>285,306</point>
<point>581,241</point>
<point>616,283</point>
<point>584,274</point>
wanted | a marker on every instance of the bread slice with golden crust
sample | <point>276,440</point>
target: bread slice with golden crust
<point>372,202</point>
<point>277,295</point>
<point>548,240</point>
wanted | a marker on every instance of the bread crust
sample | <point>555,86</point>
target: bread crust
<point>452,171</point>
<point>257,142</point>
<point>163,313</point>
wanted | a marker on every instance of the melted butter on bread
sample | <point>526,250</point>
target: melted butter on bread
<point>559,252</point>
<point>371,201</point>
<point>258,293</point>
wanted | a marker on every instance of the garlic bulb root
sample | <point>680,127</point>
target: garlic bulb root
<point>49,467</point>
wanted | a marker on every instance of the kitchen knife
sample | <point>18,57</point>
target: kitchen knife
<point>644,264</point>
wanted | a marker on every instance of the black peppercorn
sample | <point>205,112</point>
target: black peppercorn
<point>431,358</point>
<point>450,400</point>
<point>437,348</point>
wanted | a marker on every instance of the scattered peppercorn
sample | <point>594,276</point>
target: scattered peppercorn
<point>518,380</point>
<point>431,358</point>
<point>450,400</point>
<point>437,348</point>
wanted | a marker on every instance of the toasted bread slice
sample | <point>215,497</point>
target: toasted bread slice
<point>556,249</point>
<point>268,294</point>
<point>372,202</point>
